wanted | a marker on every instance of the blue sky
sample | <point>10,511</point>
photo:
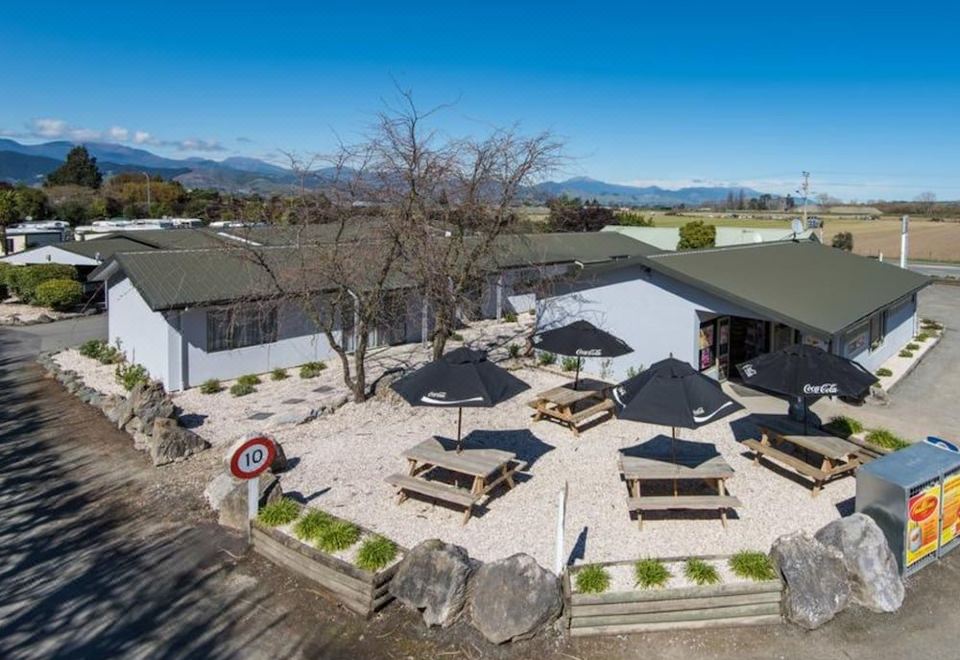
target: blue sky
<point>671,93</point>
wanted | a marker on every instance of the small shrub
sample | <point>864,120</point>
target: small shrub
<point>930,324</point>
<point>339,535</point>
<point>569,363</point>
<point>912,347</point>
<point>752,565</point>
<point>632,371</point>
<point>249,379</point>
<point>312,524</point>
<point>312,369</point>
<point>211,386</point>
<point>279,512</point>
<point>92,348</point>
<point>700,572</point>
<point>58,294</point>
<point>510,317</point>
<point>906,354</point>
<point>375,553</point>
<point>279,374</point>
<point>545,359</point>
<point>923,336</point>
<point>456,336</point>
<point>883,372</point>
<point>651,573</point>
<point>242,389</point>
<point>593,579</point>
<point>24,280</point>
<point>129,375</point>
<point>886,439</point>
<point>513,350</point>
<point>844,425</point>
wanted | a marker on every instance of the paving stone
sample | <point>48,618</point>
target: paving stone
<point>290,402</point>
<point>258,416</point>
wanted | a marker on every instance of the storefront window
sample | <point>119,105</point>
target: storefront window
<point>708,338</point>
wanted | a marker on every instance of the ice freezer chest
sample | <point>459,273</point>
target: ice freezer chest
<point>914,496</point>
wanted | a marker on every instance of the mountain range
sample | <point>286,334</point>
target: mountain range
<point>29,163</point>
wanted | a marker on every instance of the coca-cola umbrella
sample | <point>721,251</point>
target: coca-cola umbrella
<point>463,378</point>
<point>580,339</point>
<point>802,371</point>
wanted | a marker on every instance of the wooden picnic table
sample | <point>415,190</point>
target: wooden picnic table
<point>780,441</point>
<point>638,466</point>
<point>486,468</point>
<point>571,407</point>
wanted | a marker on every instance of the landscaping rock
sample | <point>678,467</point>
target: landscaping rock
<point>513,599</point>
<point>117,409</point>
<point>432,578</point>
<point>43,318</point>
<point>816,578</point>
<point>871,566</point>
<point>382,389</point>
<point>228,497</point>
<point>294,417</point>
<point>280,460</point>
<point>170,443</point>
<point>150,401</point>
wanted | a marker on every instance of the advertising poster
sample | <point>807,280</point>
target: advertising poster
<point>951,508</point>
<point>923,523</point>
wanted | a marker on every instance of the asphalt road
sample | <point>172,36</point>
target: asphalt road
<point>936,269</point>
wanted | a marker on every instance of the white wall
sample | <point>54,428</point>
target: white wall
<point>143,334</point>
<point>900,329</point>
<point>49,254</point>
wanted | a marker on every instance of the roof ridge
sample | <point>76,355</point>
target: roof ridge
<point>730,248</point>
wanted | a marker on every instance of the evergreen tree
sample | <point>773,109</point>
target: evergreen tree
<point>80,169</point>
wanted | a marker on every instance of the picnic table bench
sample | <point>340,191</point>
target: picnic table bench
<point>638,466</point>
<point>781,440</point>
<point>571,407</point>
<point>486,468</point>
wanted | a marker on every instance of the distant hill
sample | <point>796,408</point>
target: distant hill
<point>23,168</point>
<point>617,194</point>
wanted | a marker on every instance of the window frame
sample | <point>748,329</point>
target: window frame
<point>233,328</point>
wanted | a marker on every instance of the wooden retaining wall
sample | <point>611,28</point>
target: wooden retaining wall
<point>714,606</point>
<point>359,590</point>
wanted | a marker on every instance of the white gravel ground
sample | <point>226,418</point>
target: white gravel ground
<point>101,377</point>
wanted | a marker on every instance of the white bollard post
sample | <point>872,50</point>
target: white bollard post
<point>253,502</point>
<point>561,514</point>
<point>904,240</point>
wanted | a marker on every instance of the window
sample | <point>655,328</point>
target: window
<point>239,327</point>
<point>878,326</point>
<point>707,345</point>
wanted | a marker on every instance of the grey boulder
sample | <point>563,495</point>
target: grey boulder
<point>117,409</point>
<point>432,579</point>
<point>169,443</point>
<point>228,497</point>
<point>513,598</point>
<point>816,579</point>
<point>280,460</point>
<point>148,402</point>
<point>871,566</point>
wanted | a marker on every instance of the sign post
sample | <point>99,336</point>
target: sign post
<point>248,462</point>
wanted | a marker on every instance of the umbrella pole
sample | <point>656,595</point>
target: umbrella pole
<point>805,415</point>
<point>576,379</point>
<point>459,426</point>
<point>673,449</point>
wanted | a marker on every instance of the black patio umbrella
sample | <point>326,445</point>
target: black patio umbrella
<point>580,339</point>
<point>463,378</point>
<point>802,371</point>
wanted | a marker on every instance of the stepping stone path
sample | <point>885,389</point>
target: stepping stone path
<point>290,402</point>
<point>260,415</point>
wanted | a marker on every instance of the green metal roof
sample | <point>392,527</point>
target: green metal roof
<point>515,250</point>
<point>812,287</point>
<point>102,247</point>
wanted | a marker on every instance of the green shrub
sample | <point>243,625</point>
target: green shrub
<point>569,363</point>
<point>923,336</point>
<point>249,379</point>
<point>752,565</point>
<point>58,294</point>
<point>279,374</point>
<point>456,336</point>
<point>912,347</point>
<point>510,317</point>
<point>700,572</point>
<point>513,350</point>
<point>883,372</point>
<point>312,369</point>
<point>4,289</point>
<point>592,579</point>
<point>886,439</point>
<point>24,280</point>
<point>242,389</point>
<point>905,353</point>
<point>375,553</point>
<point>312,525</point>
<point>845,426</point>
<point>650,573</point>
<point>110,355</point>
<point>211,386</point>
<point>279,512</point>
<point>545,359</point>
<point>92,348</point>
<point>129,375</point>
<point>930,324</point>
<point>339,535</point>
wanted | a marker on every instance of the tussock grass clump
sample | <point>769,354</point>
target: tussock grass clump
<point>845,426</point>
<point>312,369</point>
<point>249,379</point>
<point>651,573</point>
<point>912,347</point>
<point>569,364</point>
<point>130,375</point>
<point>279,512</point>
<point>513,350</point>
<point>242,389</point>
<point>883,372</point>
<point>592,579</point>
<point>211,386</point>
<point>510,317</point>
<point>905,353</point>
<point>752,565</point>
<point>923,336</point>
<point>375,553</point>
<point>312,524</point>
<point>545,359</point>
<point>339,535</point>
<point>700,572</point>
<point>279,374</point>
<point>92,348</point>
<point>886,439</point>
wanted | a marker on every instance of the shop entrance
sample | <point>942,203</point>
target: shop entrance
<point>731,340</point>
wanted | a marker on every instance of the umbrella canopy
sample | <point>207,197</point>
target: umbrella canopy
<point>672,393</point>
<point>581,339</point>
<point>463,378</point>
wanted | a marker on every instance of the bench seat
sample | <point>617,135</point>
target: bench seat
<point>666,502</point>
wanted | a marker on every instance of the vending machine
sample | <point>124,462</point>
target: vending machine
<point>914,497</point>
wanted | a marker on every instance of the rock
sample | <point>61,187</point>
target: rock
<point>513,598</point>
<point>133,426</point>
<point>170,443</point>
<point>228,497</point>
<point>432,578</point>
<point>280,460</point>
<point>150,401</point>
<point>294,417</point>
<point>382,388</point>
<point>817,585</point>
<point>43,318</point>
<point>117,409</point>
<point>871,567</point>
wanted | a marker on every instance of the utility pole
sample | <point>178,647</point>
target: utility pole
<point>904,240</point>
<point>805,189</point>
<point>148,192</point>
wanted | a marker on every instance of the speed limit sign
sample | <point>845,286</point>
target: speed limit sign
<point>252,457</point>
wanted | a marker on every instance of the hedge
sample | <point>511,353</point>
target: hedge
<point>58,294</point>
<point>24,280</point>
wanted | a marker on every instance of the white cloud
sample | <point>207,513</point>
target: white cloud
<point>142,137</point>
<point>118,133</point>
<point>49,128</point>
<point>196,144</point>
